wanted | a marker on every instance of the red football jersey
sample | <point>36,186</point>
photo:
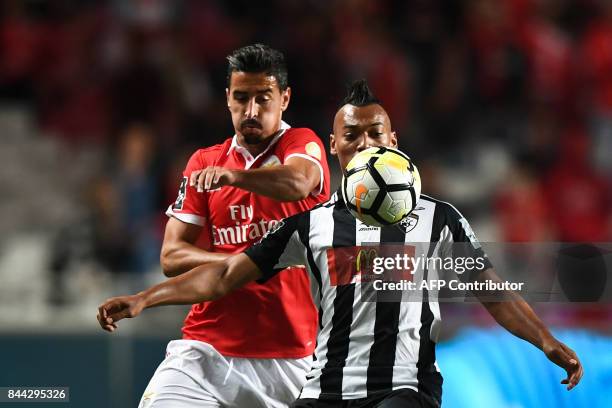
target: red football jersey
<point>274,320</point>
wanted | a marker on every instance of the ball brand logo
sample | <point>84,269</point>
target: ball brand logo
<point>360,192</point>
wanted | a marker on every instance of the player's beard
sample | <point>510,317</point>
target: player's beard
<point>252,131</point>
<point>253,138</point>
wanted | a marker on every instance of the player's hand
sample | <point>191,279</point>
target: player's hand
<point>117,308</point>
<point>211,178</point>
<point>565,358</point>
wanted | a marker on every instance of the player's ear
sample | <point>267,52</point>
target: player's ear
<point>393,139</point>
<point>286,97</point>
<point>332,144</point>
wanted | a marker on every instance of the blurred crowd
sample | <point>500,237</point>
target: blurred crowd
<point>506,105</point>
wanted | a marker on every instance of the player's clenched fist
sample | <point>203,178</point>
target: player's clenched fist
<point>117,308</point>
<point>211,178</point>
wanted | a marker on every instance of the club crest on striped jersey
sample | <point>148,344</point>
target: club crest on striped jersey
<point>410,222</point>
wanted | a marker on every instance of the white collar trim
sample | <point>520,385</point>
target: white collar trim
<point>248,157</point>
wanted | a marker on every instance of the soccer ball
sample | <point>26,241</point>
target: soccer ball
<point>381,186</point>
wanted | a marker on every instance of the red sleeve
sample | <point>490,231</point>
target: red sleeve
<point>190,206</point>
<point>306,144</point>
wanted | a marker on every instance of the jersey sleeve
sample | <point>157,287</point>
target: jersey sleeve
<point>306,144</point>
<point>279,248</point>
<point>190,206</point>
<point>460,242</point>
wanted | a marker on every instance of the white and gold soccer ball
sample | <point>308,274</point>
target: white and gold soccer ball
<point>381,186</point>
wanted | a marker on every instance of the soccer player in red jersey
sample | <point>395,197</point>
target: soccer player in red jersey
<point>252,348</point>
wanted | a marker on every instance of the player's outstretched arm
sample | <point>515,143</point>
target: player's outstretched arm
<point>516,316</point>
<point>179,254</point>
<point>204,283</point>
<point>292,181</point>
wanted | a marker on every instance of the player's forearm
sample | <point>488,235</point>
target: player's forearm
<point>282,183</point>
<point>516,316</point>
<point>200,284</point>
<point>512,312</point>
<point>180,257</point>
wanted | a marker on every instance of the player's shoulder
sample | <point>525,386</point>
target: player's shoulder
<point>210,153</point>
<point>447,215</point>
<point>301,141</point>
<point>442,209</point>
<point>301,221</point>
<point>214,150</point>
<point>303,134</point>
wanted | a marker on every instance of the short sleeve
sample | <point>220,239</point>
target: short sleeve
<point>304,143</point>
<point>190,206</point>
<point>279,248</point>
<point>460,242</point>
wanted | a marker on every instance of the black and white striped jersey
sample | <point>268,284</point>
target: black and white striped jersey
<point>365,346</point>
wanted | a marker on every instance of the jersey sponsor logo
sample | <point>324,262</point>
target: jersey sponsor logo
<point>356,264</point>
<point>365,259</point>
<point>182,193</point>
<point>271,161</point>
<point>245,229</point>
<point>313,149</point>
<point>243,233</point>
<point>241,213</point>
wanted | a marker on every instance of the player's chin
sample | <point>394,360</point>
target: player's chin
<point>253,136</point>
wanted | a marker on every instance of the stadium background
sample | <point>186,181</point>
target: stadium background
<point>506,107</point>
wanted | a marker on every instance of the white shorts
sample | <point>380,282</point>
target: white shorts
<point>195,374</point>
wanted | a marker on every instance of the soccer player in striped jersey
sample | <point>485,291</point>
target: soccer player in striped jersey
<point>369,352</point>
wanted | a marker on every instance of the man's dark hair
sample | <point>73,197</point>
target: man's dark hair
<point>258,58</point>
<point>359,94</point>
